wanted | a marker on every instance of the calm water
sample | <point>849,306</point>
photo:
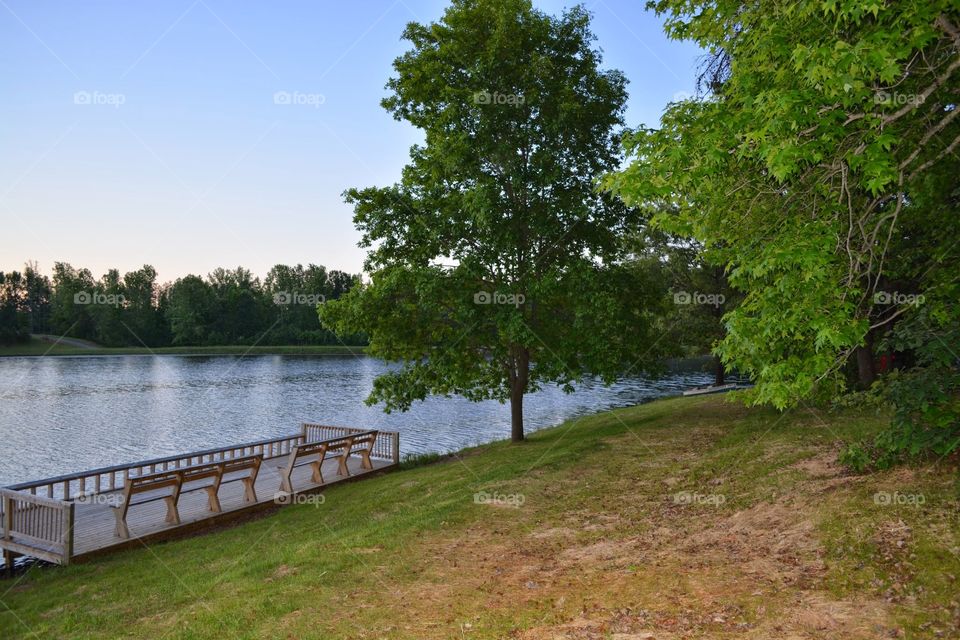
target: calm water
<point>64,414</point>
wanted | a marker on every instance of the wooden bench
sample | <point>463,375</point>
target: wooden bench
<point>176,480</point>
<point>344,446</point>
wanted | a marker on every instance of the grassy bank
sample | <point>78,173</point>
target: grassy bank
<point>40,348</point>
<point>691,518</point>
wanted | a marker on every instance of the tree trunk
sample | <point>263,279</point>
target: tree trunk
<point>518,387</point>
<point>866,370</point>
<point>719,372</point>
<point>866,373</point>
<point>516,415</point>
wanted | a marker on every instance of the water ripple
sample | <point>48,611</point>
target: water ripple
<point>65,414</point>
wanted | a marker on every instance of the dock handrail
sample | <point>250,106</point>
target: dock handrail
<point>95,481</point>
<point>85,483</point>
<point>42,525</point>
<point>387,446</point>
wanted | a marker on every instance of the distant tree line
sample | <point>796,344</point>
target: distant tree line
<point>229,306</point>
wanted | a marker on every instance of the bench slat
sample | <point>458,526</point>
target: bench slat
<point>176,480</point>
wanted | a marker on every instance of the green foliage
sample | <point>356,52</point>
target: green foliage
<point>819,167</point>
<point>229,307</point>
<point>495,262</point>
<point>856,457</point>
<point>414,460</point>
<point>24,304</point>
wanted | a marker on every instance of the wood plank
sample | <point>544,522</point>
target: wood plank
<point>94,522</point>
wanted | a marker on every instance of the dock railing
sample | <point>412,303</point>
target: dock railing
<point>37,516</point>
<point>79,485</point>
<point>386,447</point>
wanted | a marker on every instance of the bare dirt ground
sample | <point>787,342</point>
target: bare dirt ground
<point>684,571</point>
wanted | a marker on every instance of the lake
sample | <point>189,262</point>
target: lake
<point>72,413</point>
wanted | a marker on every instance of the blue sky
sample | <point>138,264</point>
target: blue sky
<point>148,132</point>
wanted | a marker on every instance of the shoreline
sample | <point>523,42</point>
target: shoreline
<point>40,349</point>
<point>593,515</point>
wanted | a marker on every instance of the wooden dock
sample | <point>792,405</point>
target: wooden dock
<point>67,518</point>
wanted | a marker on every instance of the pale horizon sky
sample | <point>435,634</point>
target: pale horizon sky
<point>150,133</point>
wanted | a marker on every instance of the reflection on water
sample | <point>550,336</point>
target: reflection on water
<point>65,414</point>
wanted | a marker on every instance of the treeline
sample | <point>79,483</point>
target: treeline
<point>229,306</point>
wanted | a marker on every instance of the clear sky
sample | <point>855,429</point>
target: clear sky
<point>149,132</point>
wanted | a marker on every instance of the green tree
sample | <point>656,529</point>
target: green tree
<point>191,310</point>
<point>141,316</point>
<point>37,302</point>
<point>698,298</point>
<point>71,287</point>
<point>820,167</point>
<point>495,262</point>
<point>106,310</point>
<point>242,306</point>
<point>14,320</point>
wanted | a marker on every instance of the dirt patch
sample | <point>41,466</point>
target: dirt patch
<point>637,567</point>
<point>822,465</point>
<point>553,532</point>
<point>282,572</point>
<point>816,615</point>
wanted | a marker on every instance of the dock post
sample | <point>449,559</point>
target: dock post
<point>7,533</point>
<point>67,535</point>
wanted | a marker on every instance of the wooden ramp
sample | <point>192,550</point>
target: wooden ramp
<point>66,518</point>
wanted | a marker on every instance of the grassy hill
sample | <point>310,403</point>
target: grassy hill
<point>685,518</point>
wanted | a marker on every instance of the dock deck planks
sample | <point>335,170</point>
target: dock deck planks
<point>95,523</point>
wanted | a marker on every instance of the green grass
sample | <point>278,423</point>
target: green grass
<point>40,348</point>
<point>600,545</point>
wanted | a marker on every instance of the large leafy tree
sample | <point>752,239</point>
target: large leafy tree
<point>494,262</point>
<point>820,168</point>
<point>699,293</point>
